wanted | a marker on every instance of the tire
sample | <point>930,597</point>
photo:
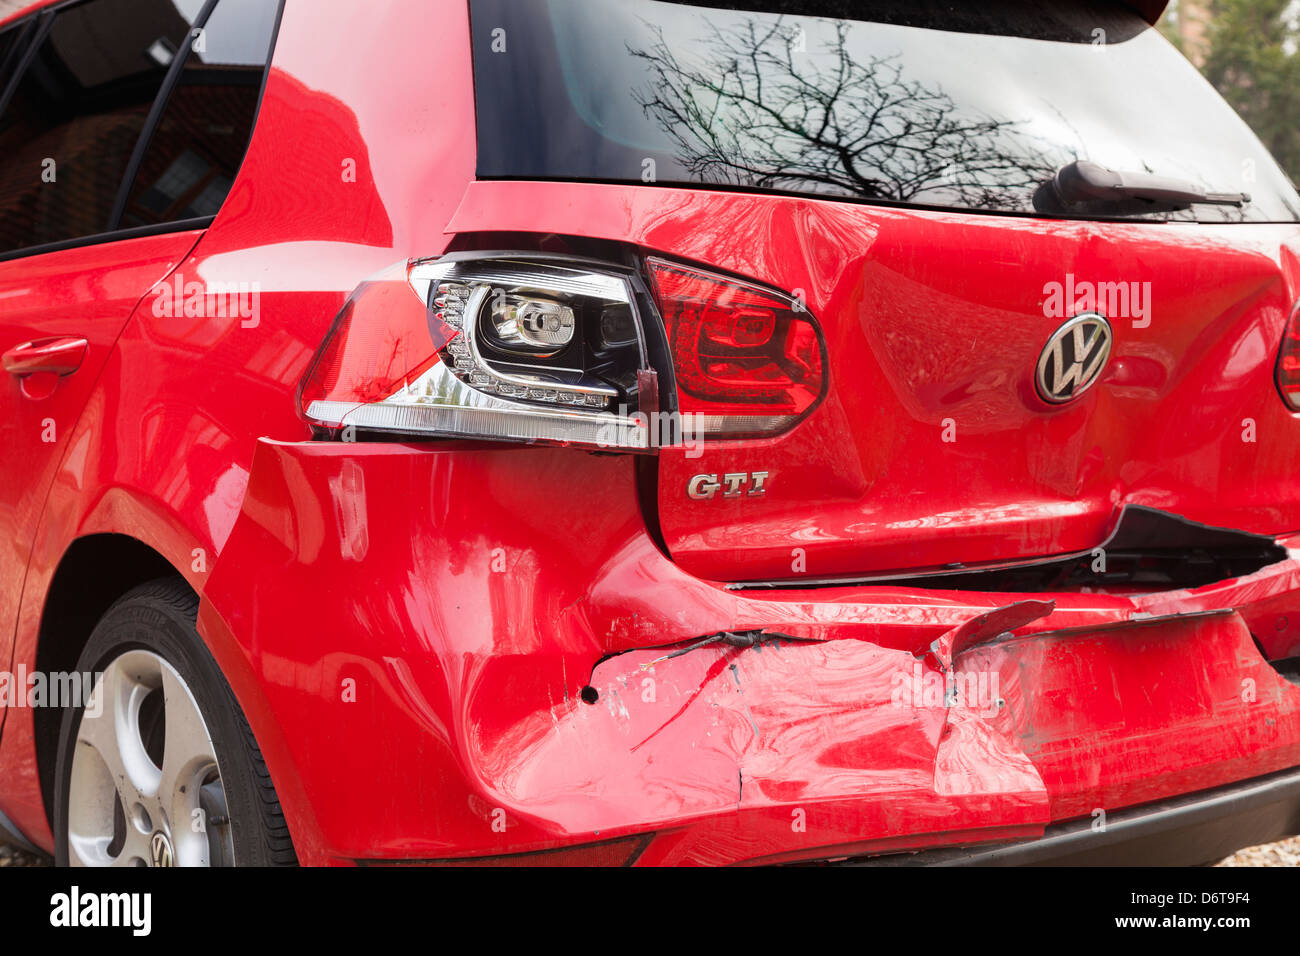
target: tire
<point>158,767</point>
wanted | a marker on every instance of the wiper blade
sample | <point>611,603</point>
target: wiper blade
<point>1086,182</point>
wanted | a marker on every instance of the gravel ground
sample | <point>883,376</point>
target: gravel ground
<point>10,856</point>
<point>1286,853</point>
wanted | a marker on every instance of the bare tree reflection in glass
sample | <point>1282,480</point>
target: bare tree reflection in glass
<point>755,111</point>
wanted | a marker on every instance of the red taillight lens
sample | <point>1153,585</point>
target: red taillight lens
<point>1288,363</point>
<point>748,360</point>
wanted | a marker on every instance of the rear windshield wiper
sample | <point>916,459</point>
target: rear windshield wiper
<point>1086,182</point>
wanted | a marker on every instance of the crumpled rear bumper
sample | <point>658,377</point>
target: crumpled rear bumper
<point>451,653</point>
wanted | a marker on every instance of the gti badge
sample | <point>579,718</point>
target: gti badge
<point>1074,358</point>
<point>749,484</point>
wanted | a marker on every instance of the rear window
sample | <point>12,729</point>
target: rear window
<point>925,103</point>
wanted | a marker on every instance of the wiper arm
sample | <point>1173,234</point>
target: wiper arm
<point>1085,182</point>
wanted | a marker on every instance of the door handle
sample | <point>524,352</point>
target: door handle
<point>61,355</point>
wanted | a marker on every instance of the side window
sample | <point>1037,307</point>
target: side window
<point>79,108</point>
<point>200,140</point>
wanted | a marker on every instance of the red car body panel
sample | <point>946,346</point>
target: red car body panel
<point>87,293</point>
<point>410,629</point>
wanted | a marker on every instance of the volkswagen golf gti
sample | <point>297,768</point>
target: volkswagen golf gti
<point>634,432</point>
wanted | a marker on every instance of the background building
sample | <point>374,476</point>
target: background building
<point>1189,21</point>
<point>1248,50</point>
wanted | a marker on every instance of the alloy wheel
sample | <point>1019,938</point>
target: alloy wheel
<point>145,786</point>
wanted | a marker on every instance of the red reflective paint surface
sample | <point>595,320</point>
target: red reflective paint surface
<point>932,446</point>
<point>410,629</point>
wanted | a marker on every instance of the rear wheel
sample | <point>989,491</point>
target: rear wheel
<point>159,768</point>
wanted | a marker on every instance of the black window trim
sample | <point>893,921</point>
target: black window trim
<point>44,20</point>
<point>99,238</point>
<point>160,102</point>
<point>25,52</point>
<point>21,30</point>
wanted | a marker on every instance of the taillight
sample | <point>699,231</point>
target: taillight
<point>498,347</point>
<point>1288,362</point>
<point>748,360</point>
<point>535,347</point>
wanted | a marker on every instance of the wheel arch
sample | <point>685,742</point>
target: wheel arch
<point>93,573</point>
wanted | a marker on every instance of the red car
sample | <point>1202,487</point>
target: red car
<point>636,432</point>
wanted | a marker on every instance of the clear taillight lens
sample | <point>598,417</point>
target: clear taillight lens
<point>494,347</point>
<point>1288,362</point>
<point>748,360</point>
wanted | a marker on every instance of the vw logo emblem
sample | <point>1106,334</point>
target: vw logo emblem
<point>160,849</point>
<point>1074,358</point>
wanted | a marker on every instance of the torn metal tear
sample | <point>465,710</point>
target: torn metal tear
<point>753,638</point>
<point>985,627</point>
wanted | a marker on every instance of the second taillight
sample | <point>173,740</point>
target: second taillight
<point>1288,362</point>
<point>748,360</point>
